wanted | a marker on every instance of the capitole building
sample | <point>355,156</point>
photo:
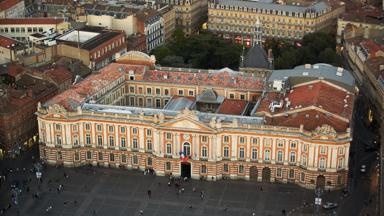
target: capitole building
<point>292,127</point>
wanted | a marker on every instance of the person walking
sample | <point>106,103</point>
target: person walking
<point>149,194</point>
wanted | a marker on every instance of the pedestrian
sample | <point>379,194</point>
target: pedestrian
<point>190,207</point>
<point>194,189</point>
<point>149,194</point>
<point>261,188</point>
<point>48,209</point>
<point>253,214</point>
<point>75,202</point>
<point>141,212</point>
<point>169,184</point>
<point>283,212</point>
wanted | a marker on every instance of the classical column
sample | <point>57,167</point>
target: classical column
<point>219,146</point>
<point>346,160</point>
<point>234,147</point>
<point>316,157</point>
<point>117,137</point>
<point>128,138</point>
<point>177,144</point>
<point>311,155</point>
<point>212,150</point>
<point>195,147</point>
<point>273,150</point>
<point>286,153</point>
<point>332,155</point>
<point>210,147</point>
<point>141,139</point>
<point>298,157</point>
<point>156,142</point>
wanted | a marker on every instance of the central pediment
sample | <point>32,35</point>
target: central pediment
<point>185,123</point>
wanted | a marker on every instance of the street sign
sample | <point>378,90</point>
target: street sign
<point>317,201</point>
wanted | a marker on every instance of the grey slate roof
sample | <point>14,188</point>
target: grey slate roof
<point>256,57</point>
<point>317,71</point>
<point>318,7</point>
<point>204,117</point>
<point>179,103</point>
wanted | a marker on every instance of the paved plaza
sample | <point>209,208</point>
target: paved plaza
<point>108,191</point>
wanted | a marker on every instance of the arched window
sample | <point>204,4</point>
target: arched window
<point>149,161</point>
<point>267,155</point>
<point>149,145</point>
<point>226,152</point>
<point>241,168</point>
<point>322,163</point>
<point>241,153</point>
<point>75,140</point>
<point>340,163</point>
<point>254,154</point>
<point>187,149</point>
<point>169,149</point>
<point>122,142</point>
<point>99,140</point>
<point>292,157</point>
<point>204,152</point>
<point>111,141</point>
<point>280,156</point>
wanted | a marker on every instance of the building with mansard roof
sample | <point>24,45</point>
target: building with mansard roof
<point>135,115</point>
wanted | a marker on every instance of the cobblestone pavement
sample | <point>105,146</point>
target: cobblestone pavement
<point>110,192</point>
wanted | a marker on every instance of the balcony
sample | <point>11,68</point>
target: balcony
<point>135,150</point>
<point>204,159</point>
<point>168,156</point>
<point>123,148</point>
<point>321,169</point>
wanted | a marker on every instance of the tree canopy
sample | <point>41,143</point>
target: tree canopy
<point>204,50</point>
<point>318,47</point>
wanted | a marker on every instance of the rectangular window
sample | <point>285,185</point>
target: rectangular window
<point>190,93</point>
<point>123,158</point>
<point>254,141</point>
<point>242,97</point>
<point>111,157</point>
<point>231,96</point>
<point>149,132</point>
<point>122,129</point>
<point>226,139</point>
<point>168,166</point>
<point>110,129</point>
<point>149,91</point>
<point>99,140</point>
<point>291,174</point>
<point>158,92</point>
<point>74,128</point>
<point>168,136</point>
<point>158,103</point>
<point>134,130</point>
<point>166,91</point>
<point>132,89</point>
<point>87,127</point>
<point>111,141</point>
<point>89,155</point>
<point>100,156</point>
<point>293,144</point>
<point>169,149</point>
<point>322,150</point>
<point>77,156</point>
<point>135,159</point>
<point>181,92</point>
<point>241,140</point>
<point>279,173</point>
<point>225,168</point>
<point>98,127</point>
<point>204,139</point>
<point>203,169</point>
<point>58,127</point>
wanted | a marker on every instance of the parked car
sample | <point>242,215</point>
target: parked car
<point>330,205</point>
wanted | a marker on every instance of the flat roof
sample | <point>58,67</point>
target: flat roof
<point>73,36</point>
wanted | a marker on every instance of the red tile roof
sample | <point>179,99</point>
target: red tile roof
<point>232,107</point>
<point>6,4</point>
<point>59,74</point>
<point>310,119</point>
<point>7,42</point>
<point>31,21</point>
<point>221,78</point>
<point>15,69</point>
<point>77,94</point>
<point>374,65</point>
<point>321,94</point>
<point>371,47</point>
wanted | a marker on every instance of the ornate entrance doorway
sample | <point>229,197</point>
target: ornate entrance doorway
<point>266,174</point>
<point>253,173</point>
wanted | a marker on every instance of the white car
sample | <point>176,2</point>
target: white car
<point>330,205</point>
<point>362,170</point>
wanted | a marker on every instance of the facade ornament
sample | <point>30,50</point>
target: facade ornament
<point>57,109</point>
<point>324,130</point>
<point>161,117</point>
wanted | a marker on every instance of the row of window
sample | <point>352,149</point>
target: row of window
<point>108,48</point>
<point>21,29</point>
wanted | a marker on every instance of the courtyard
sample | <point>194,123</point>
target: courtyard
<point>111,191</point>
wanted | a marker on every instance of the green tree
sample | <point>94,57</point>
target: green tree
<point>161,53</point>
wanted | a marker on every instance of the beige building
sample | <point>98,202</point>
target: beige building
<point>21,28</point>
<point>203,124</point>
<point>168,14</point>
<point>350,26</point>
<point>190,14</point>
<point>235,19</point>
<point>10,49</point>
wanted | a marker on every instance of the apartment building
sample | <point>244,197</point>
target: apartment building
<point>233,19</point>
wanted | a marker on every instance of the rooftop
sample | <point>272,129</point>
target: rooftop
<point>256,57</point>
<point>77,94</point>
<point>31,21</point>
<point>88,39</point>
<point>179,103</point>
<point>315,8</point>
<point>376,65</point>
<point>7,42</point>
<point>319,96</point>
<point>232,107</point>
<point>366,14</point>
<point>304,73</point>
<point>7,4</point>
<point>59,74</point>
<point>224,78</point>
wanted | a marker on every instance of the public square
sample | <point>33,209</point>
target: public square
<point>108,191</point>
